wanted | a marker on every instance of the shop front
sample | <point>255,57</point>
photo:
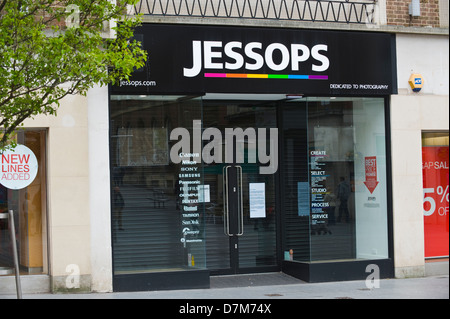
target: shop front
<point>23,193</point>
<point>245,150</point>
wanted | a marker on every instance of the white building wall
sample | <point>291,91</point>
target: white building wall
<point>68,219</point>
<point>412,113</point>
<point>99,185</point>
<point>78,191</point>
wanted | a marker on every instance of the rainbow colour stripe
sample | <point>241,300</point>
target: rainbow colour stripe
<point>266,76</point>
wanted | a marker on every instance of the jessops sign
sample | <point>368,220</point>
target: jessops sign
<point>204,53</point>
<point>198,59</point>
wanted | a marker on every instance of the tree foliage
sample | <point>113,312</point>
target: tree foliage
<point>50,49</point>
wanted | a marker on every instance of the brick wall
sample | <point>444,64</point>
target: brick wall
<point>397,12</point>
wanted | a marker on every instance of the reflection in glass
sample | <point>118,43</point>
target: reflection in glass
<point>29,207</point>
<point>154,226</point>
<point>257,244</point>
<point>169,216</point>
<point>346,153</point>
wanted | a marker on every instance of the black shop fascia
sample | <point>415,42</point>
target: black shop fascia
<point>191,59</point>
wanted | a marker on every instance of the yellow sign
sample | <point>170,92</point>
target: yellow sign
<point>416,82</point>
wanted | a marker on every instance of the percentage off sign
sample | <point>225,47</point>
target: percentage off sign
<point>430,201</point>
<point>443,193</point>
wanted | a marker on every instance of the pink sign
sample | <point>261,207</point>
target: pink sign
<point>435,200</point>
<point>19,167</point>
<point>371,173</point>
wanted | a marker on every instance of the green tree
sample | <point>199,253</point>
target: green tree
<point>50,49</point>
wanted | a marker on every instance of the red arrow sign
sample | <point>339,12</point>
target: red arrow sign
<point>371,173</point>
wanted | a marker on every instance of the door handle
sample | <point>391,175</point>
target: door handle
<point>226,212</point>
<point>226,204</point>
<point>241,203</point>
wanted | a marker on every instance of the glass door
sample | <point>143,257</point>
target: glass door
<point>241,214</point>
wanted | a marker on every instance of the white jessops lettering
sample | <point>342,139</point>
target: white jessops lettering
<point>296,58</point>
<point>234,55</point>
<point>197,61</point>
<point>249,52</point>
<point>284,56</point>
<point>212,55</point>
<point>319,57</point>
<point>235,140</point>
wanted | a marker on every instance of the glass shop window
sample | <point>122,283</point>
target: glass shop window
<point>157,215</point>
<point>340,208</point>
<point>435,193</point>
<point>29,207</point>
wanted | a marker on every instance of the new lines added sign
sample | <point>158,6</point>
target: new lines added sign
<point>19,167</point>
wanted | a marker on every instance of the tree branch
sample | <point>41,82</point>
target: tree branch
<point>12,127</point>
<point>42,61</point>
<point>2,5</point>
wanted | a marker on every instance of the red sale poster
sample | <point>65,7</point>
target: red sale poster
<point>435,200</point>
<point>371,173</point>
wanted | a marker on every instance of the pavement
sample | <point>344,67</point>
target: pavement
<point>278,286</point>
